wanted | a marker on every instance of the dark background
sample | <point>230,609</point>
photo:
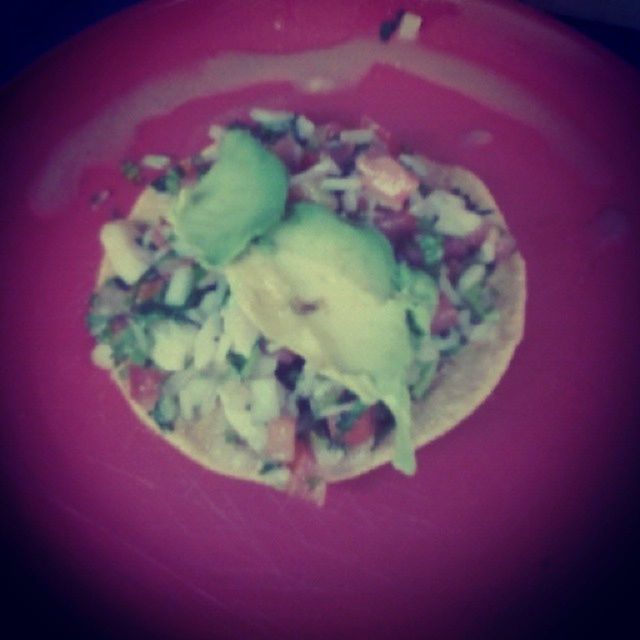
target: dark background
<point>39,601</point>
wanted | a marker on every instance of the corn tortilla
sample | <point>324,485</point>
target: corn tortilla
<point>462,384</point>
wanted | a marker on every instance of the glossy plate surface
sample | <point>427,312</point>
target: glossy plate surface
<point>512,505</point>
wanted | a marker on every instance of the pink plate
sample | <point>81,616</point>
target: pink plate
<point>512,510</point>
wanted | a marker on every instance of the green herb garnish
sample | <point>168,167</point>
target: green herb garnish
<point>346,419</point>
<point>432,248</point>
<point>481,301</point>
<point>269,465</point>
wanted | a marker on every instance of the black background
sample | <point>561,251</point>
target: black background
<point>40,601</point>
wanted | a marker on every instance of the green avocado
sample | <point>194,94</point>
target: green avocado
<point>238,199</point>
<point>361,252</point>
<point>325,290</point>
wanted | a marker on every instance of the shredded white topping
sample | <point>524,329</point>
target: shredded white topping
<point>357,136</point>
<point>341,184</point>
<point>102,356</point>
<point>155,161</point>
<point>409,27</point>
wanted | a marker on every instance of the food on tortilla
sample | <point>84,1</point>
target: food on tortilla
<point>298,304</point>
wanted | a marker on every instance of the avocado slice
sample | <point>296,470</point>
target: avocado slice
<point>325,290</point>
<point>238,199</point>
<point>323,238</point>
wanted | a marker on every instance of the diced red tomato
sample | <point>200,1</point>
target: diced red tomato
<point>461,247</point>
<point>455,267</point>
<point>477,237</point>
<point>286,357</point>
<point>328,131</point>
<point>190,169</point>
<point>342,153</point>
<point>289,151</point>
<point>149,289</point>
<point>306,481</point>
<point>281,438</point>
<point>396,225</point>
<point>386,142</point>
<point>445,316</point>
<point>118,324</point>
<point>145,385</point>
<point>505,246</point>
<point>309,158</point>
<point>383,134</point>
<point>363,203</point>
<point>362,429</point>
<point>158,238</point>
<point>455,247</point>
<point>411,253</point>
<point>387,179</point>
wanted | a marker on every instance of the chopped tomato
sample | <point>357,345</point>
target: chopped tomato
<point>363,203</point>
<point>445,316</point>
<point>505,246</point>
<point>149,289</point>
<point>281,438</point>
<point>369,123</point>
<point>306,480</point>
<point>309,158</point>
<point>411,252</point>
<point>477,237</point>
<point>118,324</point>
<point>396,225</point>
<point>145,385</point>
<point>329,131</point>
<point>342,154</point>
<point>461,247</point>
<point>386,140</point>
<point>362,429</point>
<point>391,183</point>
<point>189,168</point>
<point>289,151</point>
<point>455,247</point>
<point>286,357</point>
<point>455,267</point>
<point>158,238</point>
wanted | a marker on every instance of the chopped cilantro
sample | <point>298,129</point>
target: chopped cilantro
<point>165,412</point>
<point>414,326</point>
<point>425,378</point>
<point>289,372</point>
<point>131,343</point>
<point>154,310</point>
<point>231,437</point>
<point>432,248</point>
<point>269,465</point>
<point>196,295</point>
<point>346,419</point>
<point>481,300</point>
<point>236,360</point>
<point>98,324</point>
<point>250,362</point>
<point>267,135</point>
<point>168,183</point>
<point>384,422</point>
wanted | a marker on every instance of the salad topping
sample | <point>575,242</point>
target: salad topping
<point>307,281</point>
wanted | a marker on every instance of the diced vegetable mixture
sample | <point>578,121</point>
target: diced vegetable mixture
<point>171,328</point>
